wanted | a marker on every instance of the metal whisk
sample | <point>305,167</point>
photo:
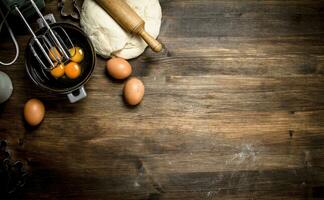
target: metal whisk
<point>52,47</point>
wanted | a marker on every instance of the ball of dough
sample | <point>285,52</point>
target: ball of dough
<point>109,38</point>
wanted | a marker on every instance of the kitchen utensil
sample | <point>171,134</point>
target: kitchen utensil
<point>129,20</point>
<point>13,38</point>
<point>54,40</point>
<point>8,6</point>
<point>61,36</point>
<point>14,174</point>
<point>50,41</point>
<point>5,87</point>
<point>73,88</point>
<point>70,8</point>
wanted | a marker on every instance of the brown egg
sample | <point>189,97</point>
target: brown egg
<point>134,91</point>
<point>119,68</point>
<point>34,112</point>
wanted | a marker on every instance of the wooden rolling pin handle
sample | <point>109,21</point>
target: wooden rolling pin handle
<point>127,18</point>
<point>153,43</point>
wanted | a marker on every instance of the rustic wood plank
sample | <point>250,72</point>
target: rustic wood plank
<point>233,110</point>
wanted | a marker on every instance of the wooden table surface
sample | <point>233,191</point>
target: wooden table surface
<point>233,109</point>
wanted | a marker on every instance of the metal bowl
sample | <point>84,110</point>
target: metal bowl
<point>45,81</point>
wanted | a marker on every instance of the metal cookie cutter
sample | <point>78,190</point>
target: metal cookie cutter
<point>70,8</point>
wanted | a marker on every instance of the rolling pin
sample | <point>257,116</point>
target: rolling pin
<point>127,18</point>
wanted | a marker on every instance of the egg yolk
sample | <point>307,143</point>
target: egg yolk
<point>72,70</point>
<point>58,71</point>
<point>54,54</point>
<point>77,54</point>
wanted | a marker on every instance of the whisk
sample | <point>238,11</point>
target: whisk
<point>50,48</point>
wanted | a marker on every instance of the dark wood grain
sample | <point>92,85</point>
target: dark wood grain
<point>233,109</point>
